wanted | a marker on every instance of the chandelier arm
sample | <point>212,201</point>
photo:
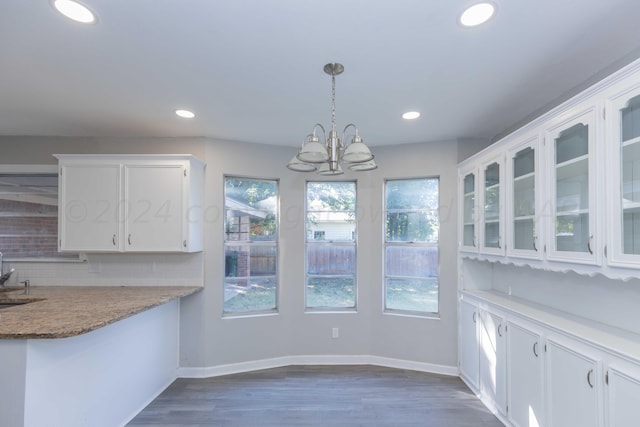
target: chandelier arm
<point>344,134</point>
<point>324,133</point>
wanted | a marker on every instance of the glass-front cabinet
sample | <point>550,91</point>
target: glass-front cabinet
<point>468,218</point>
<point>492,219</point>
<point>624,203</point>
<point>523,172</point>
<point>573,236</point>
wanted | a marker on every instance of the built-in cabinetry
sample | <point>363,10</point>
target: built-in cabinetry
<point>559,196</point>
<point>563,192</point>
<point>137,203</point>
<point>539,367</point>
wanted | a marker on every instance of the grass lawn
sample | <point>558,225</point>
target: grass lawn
<point>401,294</point>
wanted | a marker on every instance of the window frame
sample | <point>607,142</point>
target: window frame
<point>353,242</point>
<point>414,244</point>
<point>251,243</point>
<point>41,169</point>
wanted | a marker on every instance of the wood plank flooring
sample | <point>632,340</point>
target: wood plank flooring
<point>346,396</point>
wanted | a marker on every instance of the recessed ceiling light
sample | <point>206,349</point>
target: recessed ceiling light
<point>477,14</point>
<point>185,114</point>
<point>410,115</point>
<point>74,10</point>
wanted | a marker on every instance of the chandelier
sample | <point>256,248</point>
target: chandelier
<point>327,158</point>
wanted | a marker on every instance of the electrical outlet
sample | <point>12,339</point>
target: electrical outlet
<point>335,333</point>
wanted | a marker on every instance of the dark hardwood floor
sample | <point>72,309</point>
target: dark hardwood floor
<point>319,396</point>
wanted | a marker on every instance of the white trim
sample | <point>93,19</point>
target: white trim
<point>254,365</point>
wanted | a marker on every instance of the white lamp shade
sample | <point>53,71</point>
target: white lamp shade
<point>363,166</point>
<point>357,152</point>
<point>298,166</point>
<point>325,170</point>
<point>313,152</point>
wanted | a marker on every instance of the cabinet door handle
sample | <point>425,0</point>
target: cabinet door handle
<point>129,238</point>
<point>499,242</point>
<point>535,348</point>
<point>589,245</point>
<point>535,248</point>
<point>474,317</point>
<point>113,239</point>
<point>500,329</point>
<point>589,378</point>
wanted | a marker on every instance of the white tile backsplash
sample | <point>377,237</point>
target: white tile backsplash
<point>113,270</point>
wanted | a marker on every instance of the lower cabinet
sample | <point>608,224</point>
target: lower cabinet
<point>623,397</point>
<point>525,377</point>
<point>493,357</point>
<point>469,344</point>
<point>573,387</point>
<point>535,374</point>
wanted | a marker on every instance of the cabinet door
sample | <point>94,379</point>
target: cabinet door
<point>469,345</point>
<point>572,388</point>
<point>469,209</point>
<point>492,220</point>
<point>523,200</point>
<point>624,396</point>
<point>524,377</point>
<point>153,208</point>
<point>573,233</point>
<point>493,364</point>
<point>89,206</point>
<point>624,183</point>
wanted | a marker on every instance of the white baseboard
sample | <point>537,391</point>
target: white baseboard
<point>254,365</point>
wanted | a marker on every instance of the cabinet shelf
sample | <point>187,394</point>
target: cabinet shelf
<point>576,167</point>
<point>573,212</point>
<point>524,218</point>
<point>631,141</point>
<point>525,176</point>
<point>630,205</point>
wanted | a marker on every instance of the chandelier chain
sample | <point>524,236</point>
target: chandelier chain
<point>333,102</point>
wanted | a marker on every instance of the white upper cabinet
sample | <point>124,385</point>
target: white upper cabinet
<point>624,163</point>
<point>130,203</point>
<point>469,207</point>
<point>88,218</point>
<point>523,207</point>
<point>492,201</point>
<point>571,150</point>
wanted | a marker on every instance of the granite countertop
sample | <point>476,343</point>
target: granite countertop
<point>66,311</point>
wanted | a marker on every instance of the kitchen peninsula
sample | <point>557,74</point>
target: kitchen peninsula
<point>78,356</point>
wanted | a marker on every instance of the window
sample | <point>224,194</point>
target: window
<point>331,246</point>
<point>29,213</point>
<point>250,245</point>
<point>411,245</point>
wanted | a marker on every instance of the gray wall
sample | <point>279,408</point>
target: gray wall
<point>207,339</point>
<point>210,340</point>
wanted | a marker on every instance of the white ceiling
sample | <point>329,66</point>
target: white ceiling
<point>252,69</point>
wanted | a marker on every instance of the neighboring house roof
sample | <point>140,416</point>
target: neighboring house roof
<point>237,208</point>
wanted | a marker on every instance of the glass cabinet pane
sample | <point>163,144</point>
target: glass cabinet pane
<point>492,206</point>
<point>630,158</point>
<point>572,189</point>
<point>468,238</point>
<point>524,199</point>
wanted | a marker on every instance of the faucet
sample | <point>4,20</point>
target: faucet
<point>4,276</point>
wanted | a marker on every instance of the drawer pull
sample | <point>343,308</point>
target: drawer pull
<point>129,239</point>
